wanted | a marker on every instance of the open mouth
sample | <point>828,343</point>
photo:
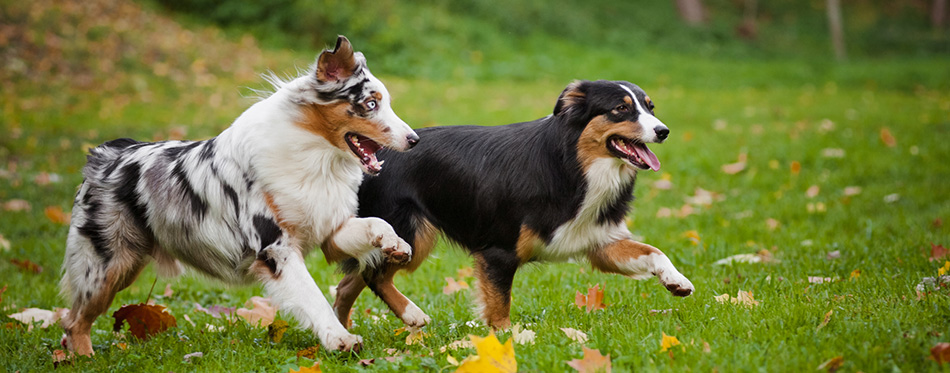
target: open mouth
<point>365,149</point>
<point>634,152</point>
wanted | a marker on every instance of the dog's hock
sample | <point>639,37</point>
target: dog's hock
<point>338,64</point>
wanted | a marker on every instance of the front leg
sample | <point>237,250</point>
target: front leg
<point>495,270</point>
<point>361,237</point>
<point>286,280</point>
<point>640,261</point>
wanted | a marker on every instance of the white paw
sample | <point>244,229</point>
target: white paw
<point>414,317</point>
<point>395,249</point>
<point>342,341</point>
<point>676,283</point>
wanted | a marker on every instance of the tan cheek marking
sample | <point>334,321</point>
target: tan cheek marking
<point>610,257</point>
<point>326,121</point>
<point>528,241</point>
<point>592,144</point>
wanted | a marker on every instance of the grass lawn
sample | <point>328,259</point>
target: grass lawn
<point>806,144</point>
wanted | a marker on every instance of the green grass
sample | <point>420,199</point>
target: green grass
<point>776,112</point>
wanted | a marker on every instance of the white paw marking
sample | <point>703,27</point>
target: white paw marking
<point>414,317</point>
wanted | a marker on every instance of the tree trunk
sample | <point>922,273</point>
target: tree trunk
<point>691,11</point>
<point>938,14</point>
<point>837,33</point>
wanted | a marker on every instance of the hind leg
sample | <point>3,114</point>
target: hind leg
<point>285,277</point>
<point>382,285</point>
<point>92,280</point>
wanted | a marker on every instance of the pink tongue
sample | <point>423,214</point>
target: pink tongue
<point>647,156</point>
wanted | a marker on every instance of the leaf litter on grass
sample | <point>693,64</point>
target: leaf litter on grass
<point>145,320</point>
<point>593,361</point>
<point>592,301</point>
<point>491,356</point>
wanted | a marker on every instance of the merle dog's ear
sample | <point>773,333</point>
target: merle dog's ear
<point>337,64</point>
<point>572,99</point>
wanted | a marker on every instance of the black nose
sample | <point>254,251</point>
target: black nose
<point>662,132</point>
<point>412,139</point>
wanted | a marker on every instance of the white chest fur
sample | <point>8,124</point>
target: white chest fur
<point>606,178</point>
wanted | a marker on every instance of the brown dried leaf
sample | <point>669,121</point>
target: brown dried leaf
<point>593,361</point>
<point>453,286</point>
<point>144,320</point>
<point>832,364</point>
<point>826,320</point>
<point>26,265</point>
<point>309,352</point>
<point>56,215</point>
<point>261,312</point>
<point>16,205</point>
<point>941,353</point>
<point>594,300</point>
<point>937,252</point>
<point>276,330</point>
<point>887,138</point>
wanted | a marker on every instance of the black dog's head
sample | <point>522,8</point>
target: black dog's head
<point>617,119</point>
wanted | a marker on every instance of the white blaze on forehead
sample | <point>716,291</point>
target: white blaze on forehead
<point>648,122</point>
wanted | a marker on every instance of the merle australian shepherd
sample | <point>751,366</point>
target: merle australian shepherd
<point>551,189</point>
<point>246,205</point>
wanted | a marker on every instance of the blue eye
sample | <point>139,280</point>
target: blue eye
<point>371,104</point>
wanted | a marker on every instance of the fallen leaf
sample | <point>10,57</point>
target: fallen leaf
<point>60,358</point>
<point>703,197</point>
<point>31,315</point>
<point>706,348</point>
<point>576,335</point>
<point>56,215</point>
<point>743,298</point>
<point>216,311</point>
<point>734,168</point>
<point>416,335</point>
<point>832,364</point>
<point>453,286</point>
<point>491,356</point>
<point>937,252</point>
<point>819,280</point>
<point>309,352</point>
<point>1,292</point>
<point>795,167</point>
<point>855,274</point>
<point>887,138</point>
<point>832,153</point>
<point>833,255</point>
<point>852,191</point>
<point>663,184</point>
<point>465,272</point>
<point>522,336</point>
<point>593,361</point>
<point>451,360</point>
<point>315,368</point>
<point>261,312</point>
<point>762,256</point>
<point>16,205</point>
<point>4,244</point>
<point>275,331</point>
<point>367,362</point>
<point>661,312</point>
<point>45,178</point>
<point>772,224</point>
<point>594,300</point>
<point>826,320</point>
<point>664,212</point>
<point>168,291</point>
<point>144,320</point>
<point>944,269</point>
<point>457,345</point>
<point>693,236</point>
<point>812,191</point>
<point>941,353</point>
<point>891,198</point>
<point>27,265</point>
<point>192,355</point>
<point>668,342</point>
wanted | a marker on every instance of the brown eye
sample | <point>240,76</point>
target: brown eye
<point>622,108</point>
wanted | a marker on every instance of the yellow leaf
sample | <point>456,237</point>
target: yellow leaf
<point>452,360</point>
<point>668,342</point>
<point>855,274</point>
<point>943,270</point>
<point>693,236</point>
<point>492,356</point>
<point>315,368</point>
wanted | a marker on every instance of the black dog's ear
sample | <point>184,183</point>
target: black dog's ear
<point>572,99</point>
<point>338,64</point>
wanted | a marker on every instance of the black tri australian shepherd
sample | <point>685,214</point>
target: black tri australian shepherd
<point>551,189</point>
<point>246,205</point>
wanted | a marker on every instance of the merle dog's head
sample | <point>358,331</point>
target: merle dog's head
<point>350,107</point>
<point>617,119</point>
